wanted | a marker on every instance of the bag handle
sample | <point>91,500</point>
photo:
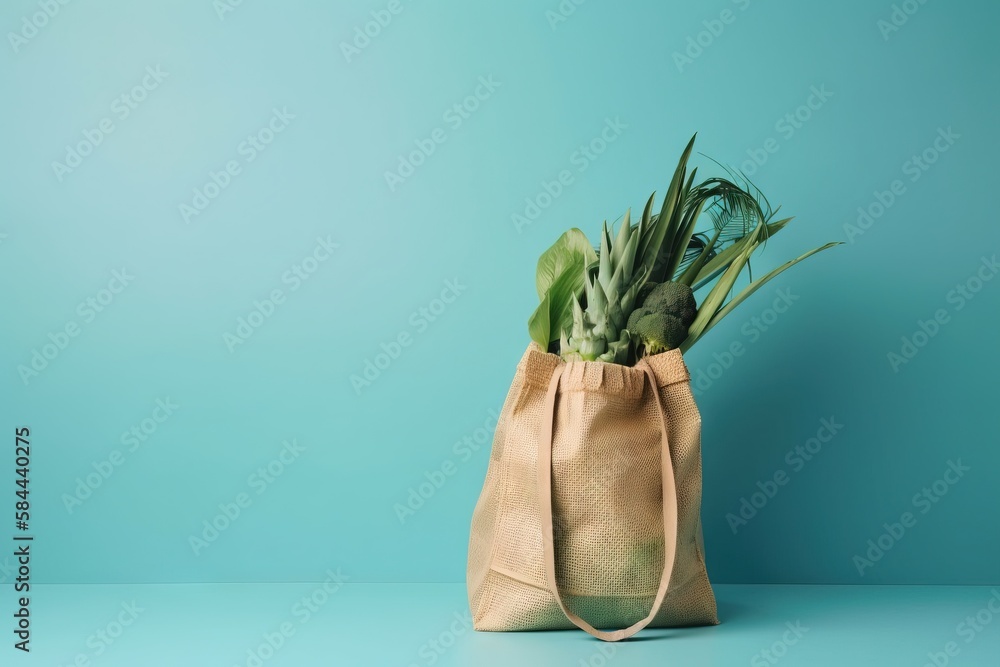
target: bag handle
<point>669,492</point>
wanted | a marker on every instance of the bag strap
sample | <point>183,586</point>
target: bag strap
<point>669,492</point>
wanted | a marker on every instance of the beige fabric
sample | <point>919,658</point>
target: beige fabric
<point>608,516</point>
<point>668,507</point>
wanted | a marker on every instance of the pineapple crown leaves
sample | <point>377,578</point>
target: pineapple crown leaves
<point>611,285</point>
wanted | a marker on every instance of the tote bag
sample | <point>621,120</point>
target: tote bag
<point>590,513</point>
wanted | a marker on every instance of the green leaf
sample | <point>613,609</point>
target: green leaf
<point>621,240</point>
<point>683,239</point>
<point>555,312</point>
<point>717,297</point>
<point>559,281</point>
<point>718,264</point>
<point>675,243</point>
<point>604,257</point>
<point>646,219</point>
<point>571,251</point>
<point>695,268</point>
<point>539,326</point>
<point>760,282</point>
<point>651,246</point>
<point>627,265</point>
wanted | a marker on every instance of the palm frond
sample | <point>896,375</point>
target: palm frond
<point>696,246</point>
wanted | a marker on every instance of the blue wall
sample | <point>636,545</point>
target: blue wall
<point>337,119</point>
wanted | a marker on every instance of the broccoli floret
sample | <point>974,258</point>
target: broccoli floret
<point>664,315</point>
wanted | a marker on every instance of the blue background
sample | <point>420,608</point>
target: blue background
<point>324,176</point>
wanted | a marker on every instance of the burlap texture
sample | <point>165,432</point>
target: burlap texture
<point>608,526</point>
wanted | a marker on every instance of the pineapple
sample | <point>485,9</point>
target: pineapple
<point>598,330</point>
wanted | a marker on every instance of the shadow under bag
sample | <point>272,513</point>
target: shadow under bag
<point>594,482</point>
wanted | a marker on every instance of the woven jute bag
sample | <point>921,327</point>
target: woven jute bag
<point>590,513</point>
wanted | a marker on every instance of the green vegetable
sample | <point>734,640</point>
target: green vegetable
<point>559,280</point>
<point>634,297</point>
<point>598,331</point>
<point>662,321</point>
